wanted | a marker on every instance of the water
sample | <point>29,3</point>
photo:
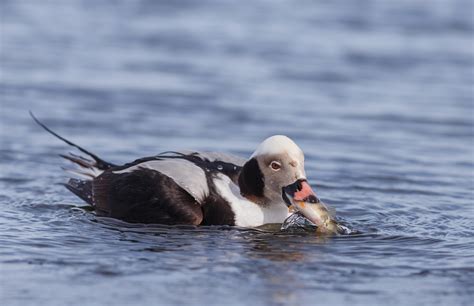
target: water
<point>378,94</point>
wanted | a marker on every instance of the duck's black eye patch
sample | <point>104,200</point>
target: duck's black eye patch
<point>251,179</point>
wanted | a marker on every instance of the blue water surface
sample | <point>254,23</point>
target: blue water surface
<point>379,94</point>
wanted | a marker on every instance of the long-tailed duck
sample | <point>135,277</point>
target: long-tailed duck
<point>198,188</point>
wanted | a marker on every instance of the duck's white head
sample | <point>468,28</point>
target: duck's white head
<point>275,174</point>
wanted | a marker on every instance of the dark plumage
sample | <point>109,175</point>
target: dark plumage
<point>144,196</point>
<point>251,179</point>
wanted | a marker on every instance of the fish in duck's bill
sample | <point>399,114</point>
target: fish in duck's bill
<point>199,188</point>
<point>301,198</point>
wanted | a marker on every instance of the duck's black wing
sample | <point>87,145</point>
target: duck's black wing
<point>144,196</point>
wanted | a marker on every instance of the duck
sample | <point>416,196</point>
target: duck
<point>193,187</point>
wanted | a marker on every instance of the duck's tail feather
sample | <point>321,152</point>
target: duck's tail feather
<point>81,188</point>
<point>87,169</point>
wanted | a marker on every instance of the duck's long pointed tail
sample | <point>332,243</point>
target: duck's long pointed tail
<point>98,162</point>
<point>87,169</point>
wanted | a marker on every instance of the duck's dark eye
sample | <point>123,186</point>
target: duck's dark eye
<point>275,165</point>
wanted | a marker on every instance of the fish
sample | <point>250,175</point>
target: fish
<point>320,215</point>
<point>297,222</point>
<point>299,197</point>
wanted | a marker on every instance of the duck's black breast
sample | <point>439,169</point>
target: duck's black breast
<point>170,188</point>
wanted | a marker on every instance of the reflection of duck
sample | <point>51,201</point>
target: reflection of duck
<point>275,249</point>
<point>195,187</point>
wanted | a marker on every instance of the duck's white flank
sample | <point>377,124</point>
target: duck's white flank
<point>247,213</point>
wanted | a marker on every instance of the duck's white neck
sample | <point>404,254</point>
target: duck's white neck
<point>247,213</point>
